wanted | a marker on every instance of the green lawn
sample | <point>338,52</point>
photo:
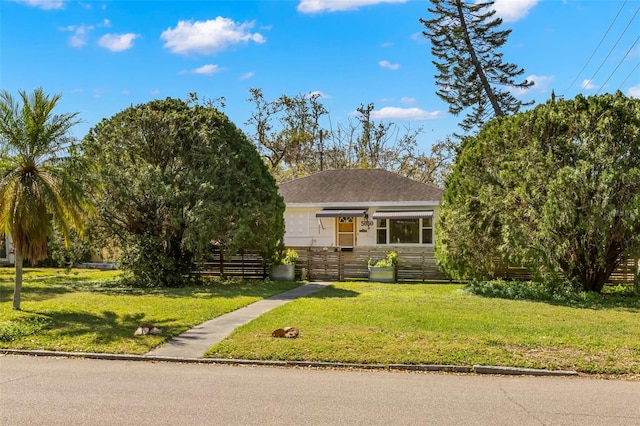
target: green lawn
<point>442,324</point>
<point>87,311</point>
<point>352,322</point>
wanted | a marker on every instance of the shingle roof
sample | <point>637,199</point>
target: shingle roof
<point>357,186</point>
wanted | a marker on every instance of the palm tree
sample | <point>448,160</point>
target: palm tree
<point>37,186</point>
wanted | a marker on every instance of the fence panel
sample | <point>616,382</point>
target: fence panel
<point>243,265</point>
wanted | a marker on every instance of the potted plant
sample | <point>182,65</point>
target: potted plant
<point>384,270</point>
<point>284,265</point>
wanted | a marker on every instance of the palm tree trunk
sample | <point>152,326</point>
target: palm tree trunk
<point>18,281</point>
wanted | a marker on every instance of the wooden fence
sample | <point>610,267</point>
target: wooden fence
<point>626,273</point>
<point>330,264</point>
<point>414,263</point>
<point>242,265</point>
<point>334,264</point>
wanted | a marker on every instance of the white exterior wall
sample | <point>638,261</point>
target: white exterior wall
<point>303,228</point>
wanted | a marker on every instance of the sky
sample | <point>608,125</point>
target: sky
<point>104,56</point>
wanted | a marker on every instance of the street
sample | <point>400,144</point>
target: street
<point>61,391</point>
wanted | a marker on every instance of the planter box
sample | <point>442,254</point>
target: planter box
<point>383,275</point>
<point>283,272</point>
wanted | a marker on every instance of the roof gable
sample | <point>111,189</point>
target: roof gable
<point>357,186</point>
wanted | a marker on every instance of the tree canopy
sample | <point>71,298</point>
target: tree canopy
<point>471,72</point>
<point>556,189</point>
<point>177,179</point>
<point>290,135</point>
<point>38,170</point>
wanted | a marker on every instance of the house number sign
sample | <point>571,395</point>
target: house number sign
<point>367,223</point>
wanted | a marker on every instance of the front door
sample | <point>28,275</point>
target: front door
<point>346,232</point>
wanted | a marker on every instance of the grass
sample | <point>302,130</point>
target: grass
<point>443,324</point>
<point>87,311</point>
<point>352,322</point>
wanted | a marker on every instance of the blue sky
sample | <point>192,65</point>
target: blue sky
<point>104,56</point>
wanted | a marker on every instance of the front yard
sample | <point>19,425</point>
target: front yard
<point>442,324</point>
<point>86,311</point>
<point>352,322</point>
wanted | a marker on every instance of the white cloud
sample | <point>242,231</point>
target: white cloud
<point>587,84</point>
<point>388,65</point>
<point>419,38</point>
<point>634,92</point>
<point>43,4</point>
<point>395,113</point>
<point>317,6</point>
<point>387,44</point>
<point>117,42</point>
<point>407,100</point>
<point>513,10</point>
<point>155,92</point>
<point>208,69</point>
<point>208,37</point>
<point>247,75</point>
<point>541,84</point>
<point>318,94</point>
<point>80,34</point>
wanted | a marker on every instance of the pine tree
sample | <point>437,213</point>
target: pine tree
<point>471,72</point>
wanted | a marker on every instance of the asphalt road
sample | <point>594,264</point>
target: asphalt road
<point>61,391</point>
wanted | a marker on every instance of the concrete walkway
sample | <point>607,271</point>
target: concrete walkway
<point>195,342</point>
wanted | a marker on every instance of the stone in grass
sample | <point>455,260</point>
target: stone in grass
<point>147,328</point>
<point>288,332</point>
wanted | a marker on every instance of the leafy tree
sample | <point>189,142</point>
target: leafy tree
<point>179,177</point>
<point>471,73</point>
<point>289,134</point>
<point>374,145</point>
<point>37,170</point>
<point>556,189</point>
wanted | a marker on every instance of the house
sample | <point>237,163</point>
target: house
<point>364,212</point>
<point>6,250</point>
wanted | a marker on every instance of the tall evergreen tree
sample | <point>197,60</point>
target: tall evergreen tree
<point>471,73</point>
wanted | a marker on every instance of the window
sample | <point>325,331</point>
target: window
<point>427,230</point>
<point>404,231</point>
<point>381,231</point>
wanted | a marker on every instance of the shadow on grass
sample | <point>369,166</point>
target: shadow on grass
<point>107,328</point>
<point>36,293</point>
<point>49,288</point>
<point>331,292</point>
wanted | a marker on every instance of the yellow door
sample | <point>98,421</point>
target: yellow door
<point>346,232</point>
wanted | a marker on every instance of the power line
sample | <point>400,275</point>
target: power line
<point>630,74</point>
<point>614,46</point>
<point>597,47</point>
<point>619,63</point>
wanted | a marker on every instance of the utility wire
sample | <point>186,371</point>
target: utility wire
<point>614,46</point>
<point>619,63</point>
<point>627,77</point>
<point>597,47</point>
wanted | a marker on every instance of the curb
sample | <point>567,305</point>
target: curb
<point>488,369</point>
<point>478,369</point>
